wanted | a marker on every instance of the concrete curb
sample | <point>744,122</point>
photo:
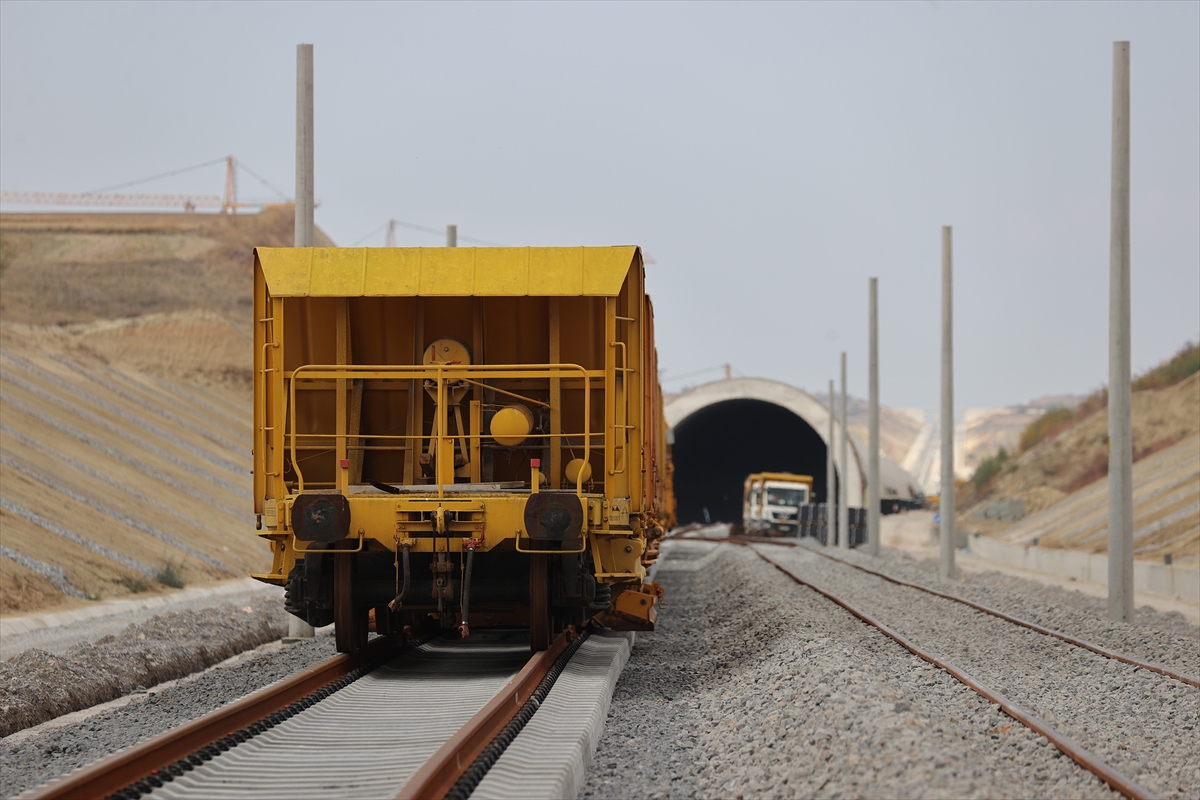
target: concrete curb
<point>551,755</point>
<point>1148,576</point>
<point>10,626</point>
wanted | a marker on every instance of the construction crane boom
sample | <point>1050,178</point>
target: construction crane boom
<point>228,203</point>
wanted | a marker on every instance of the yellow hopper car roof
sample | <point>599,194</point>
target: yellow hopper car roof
<point>445,271</point>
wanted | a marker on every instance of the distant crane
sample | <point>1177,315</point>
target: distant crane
<point>228,203</point>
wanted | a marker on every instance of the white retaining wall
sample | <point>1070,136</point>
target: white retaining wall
<point>1148,576</point>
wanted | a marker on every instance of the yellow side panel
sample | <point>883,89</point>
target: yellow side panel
<point>445,272</point>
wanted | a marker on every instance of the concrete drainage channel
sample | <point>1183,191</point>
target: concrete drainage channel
<point>381,725</point>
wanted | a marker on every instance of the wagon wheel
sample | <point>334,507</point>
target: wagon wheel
<point>384,621</point>
<point>350,623</point>
<point>539,604</point>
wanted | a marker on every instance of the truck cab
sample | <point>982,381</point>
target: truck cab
<point>771,503</point>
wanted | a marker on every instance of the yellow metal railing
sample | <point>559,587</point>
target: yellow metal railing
<point>442,374</point>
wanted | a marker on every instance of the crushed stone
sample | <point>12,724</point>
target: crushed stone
<point>36,686</point>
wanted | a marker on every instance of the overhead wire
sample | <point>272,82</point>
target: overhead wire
<point>237,162</point>
<point>423,229</point>
<point>156,177</point>
<point>242,165</point>
<point>283,195</point>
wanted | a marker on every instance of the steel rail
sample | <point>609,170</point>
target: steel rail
<point>1118,781</point>
<point>126,767</point>
<point>1033,626</point>
<point>455,757</point>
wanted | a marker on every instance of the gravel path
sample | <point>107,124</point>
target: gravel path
<point>37,759</point>
<point>36,686</point>
<point>1141,723</point>
<point>753,686</point>
<point>110,617</point>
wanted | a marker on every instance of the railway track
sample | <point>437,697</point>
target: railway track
<point>890,612</point>
<point>1191,680</point>
<point>427,719</point>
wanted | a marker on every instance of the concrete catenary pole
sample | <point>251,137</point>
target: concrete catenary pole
<point>304,145</point>
<point>873,510</point>
<point>298,628</point>
<point>1120,420</point>
<point>843,487</point>
<point>830,481</point>
<point>946,494</point>
<point>451,236</point>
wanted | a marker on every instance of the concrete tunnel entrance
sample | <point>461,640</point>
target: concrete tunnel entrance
<point>726,430</point>
<point>719,445</point>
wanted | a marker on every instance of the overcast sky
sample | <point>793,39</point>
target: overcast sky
<point>769,158</point>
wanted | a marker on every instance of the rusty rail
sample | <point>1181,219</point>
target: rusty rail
<point>137,763</point>
<point>455,757</point>
<point>1091,763</point>
<point>1033,626</point>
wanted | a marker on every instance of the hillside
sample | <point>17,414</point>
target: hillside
<point>1062,480</point>
<point>166,294</point>
<point>986,430</point>
<point>1079,456</point>
<point>897,429</point>
<point>116,482</point>
<point>58,269</point>
<point>125,419</point>
<point>1166,511</point>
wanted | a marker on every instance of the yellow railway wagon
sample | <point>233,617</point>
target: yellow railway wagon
<point>458,437</point>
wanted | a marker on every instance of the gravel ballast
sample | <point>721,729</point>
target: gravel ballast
<point>35,760</point>
<point>753,686</point>
<point>1050,606</point>
<point>1141,723</point>
<point>36,686</point>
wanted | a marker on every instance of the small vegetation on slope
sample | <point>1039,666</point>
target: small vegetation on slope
<point>989,468</point>
<point>1047,426</point>
<point>170,575</point>
<point>1179,367</point>
<point>1182,365</point>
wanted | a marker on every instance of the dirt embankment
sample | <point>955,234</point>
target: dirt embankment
<point>36,686</point>
<point>125,346</point>
<point>168,294</point>
<point>1079,456</point>
<point>897,429</point>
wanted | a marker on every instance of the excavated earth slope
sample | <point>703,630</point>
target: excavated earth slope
<point>1063,481</point>
<point>109,475</point>
<point>125,367</point>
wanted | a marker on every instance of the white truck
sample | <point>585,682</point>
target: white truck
<point>771,503</point>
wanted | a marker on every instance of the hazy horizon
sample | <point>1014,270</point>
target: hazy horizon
<point>769,158</point>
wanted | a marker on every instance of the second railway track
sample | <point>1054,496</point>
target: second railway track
<point>1102,704</point>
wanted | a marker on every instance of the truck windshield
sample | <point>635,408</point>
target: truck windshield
<point>786,497</point>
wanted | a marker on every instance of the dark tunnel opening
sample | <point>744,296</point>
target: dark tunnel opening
<point>719,445</point>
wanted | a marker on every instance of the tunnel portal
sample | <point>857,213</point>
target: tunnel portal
<point>717,446</point>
